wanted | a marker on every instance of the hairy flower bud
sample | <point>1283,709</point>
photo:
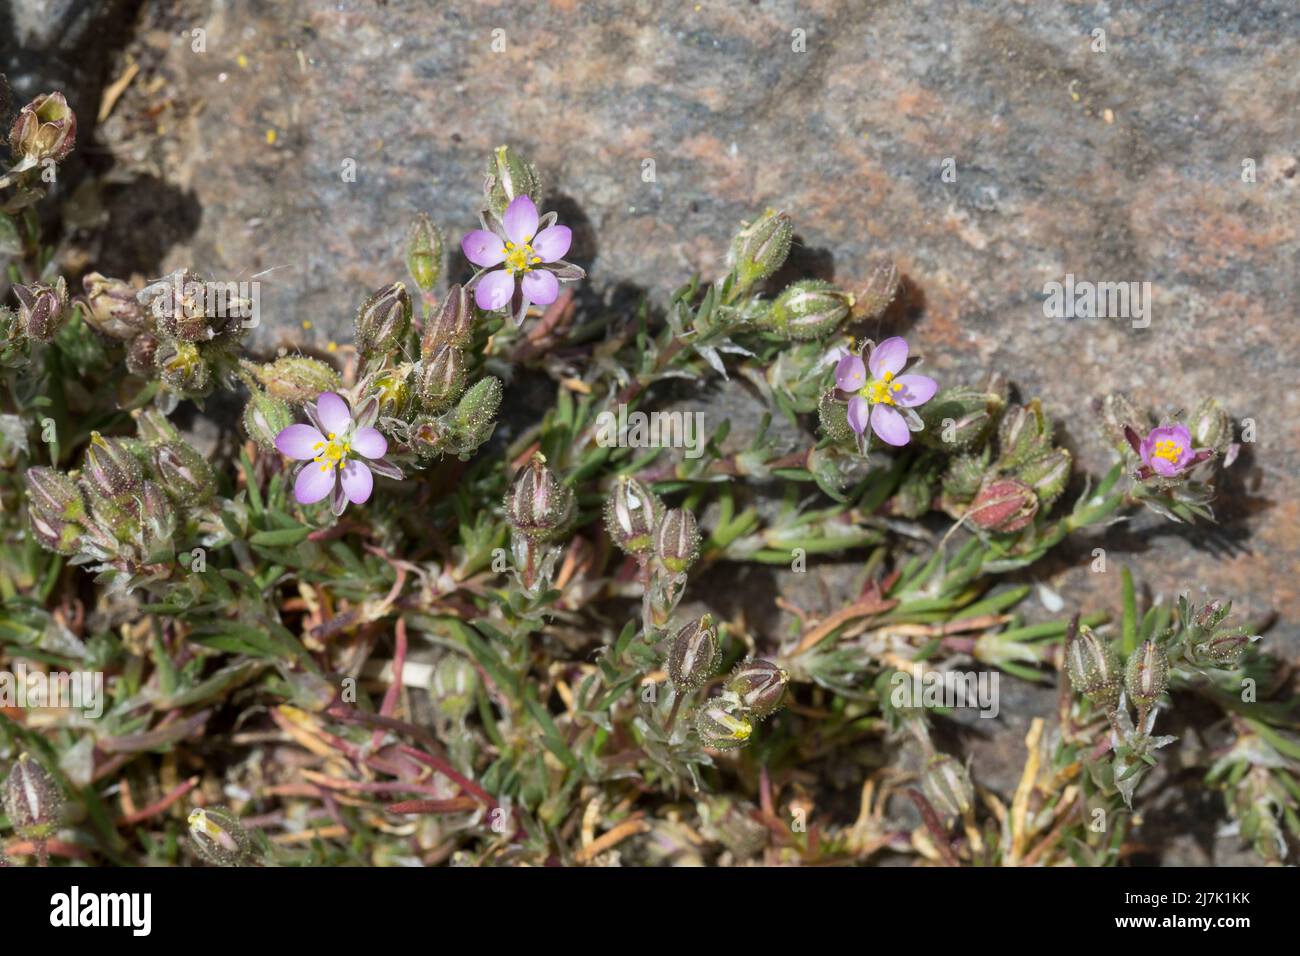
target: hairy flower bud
<point>1003,506</point>
<point>441,378</point>
<point>958,418</point>
<point>110,467</point>
<point>677,540</point>
<point>1147,674</point>
<point>720,727</point>
<point>157,519</point>
<point>834,418</point>
<point>632,512</point>
<point>296,378</point>
<point>184,473</point>
<point>694,654</point>
<point>1094,667</point>
<point>424,252</point>
<point>219,838</point>
<point>265,417</point>
<point>807,310</point>
<point>965,476</point>
<point>141,354</point>
<point>42,308</point>
<point>509,175</point>
<point>760,247</point>
<point>758,685</point>
<point>453,686</point>
<point>947,786</point>
<point>1117,413</point>
<point>55,509</point>
<point>383,321</point>
<point>181,367</point>
<point>452,324</point>
<point>46,128</point>
<point>32,800</point>
<point>1211,427</point>
<point>538,504</point>
<point>179,304</point>
<point>1047,474</point>
<point>1023,433</point>
<point>476,413</point>
<point>878,291</point>
<point>112,307</point>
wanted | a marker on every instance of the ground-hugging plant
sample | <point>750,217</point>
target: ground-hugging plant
<point>382,630</point>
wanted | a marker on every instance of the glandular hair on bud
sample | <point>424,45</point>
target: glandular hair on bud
<point>296,378</point>
<point>759,686</point>
<point>878,291</point>
<point>694,654</point>
<point>33,801</point>
<point>538,504</point>
<point>219,838</point>
<point>807,310</point>
<point>1093,664</point>
<point>631,515</point>
<point>1047,474</point>
<point>508,176</point>
<point>383,321</point>
<point>720,727</point>
<point>1023,433</point>
<point>761,247</point>
<point>1147,674</point>
<point>424,252</point>
<point>677,540</point>
<point>476,413</point>
<point>265,417</point>
<point>947,786</point>
<point>834,418</point>
<point>441,379</point>
<point>452,324</point>
<point>42,308</point>
<point>185,475</point>
<point>1210,426</point>
<point>110,468</point>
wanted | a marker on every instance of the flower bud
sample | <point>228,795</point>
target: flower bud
<point>760,247</point>
<point>424,252</point>
<point>1094,667</point>
<point>1147,674</point>
<point>871,301</point>
<point>265,417</point>
<point>141,355</point>
<point>184,473</point>
<point>55,508</point>
<point>153,427</point>
<point>46,128</point>
<point>631,514</point>
<point>218,837</point>
<point>383,321</point>
<point>1047,474</point>
<point>759,686</point>
<point>1211,427</point>
<point>721,729</point>
<point>1023,432</point>
<point>453,686</point>
<point>947,786</point>
<point>1224,649</point>
<point>807,310</point>
<point>677,540</point>
<point>110,468</point>
<point>538,504</point>
<point>41,308</point>
<point>476,413</point>
<point>694,654</point>
<point>834,417</point>
<point>453,324</point>
<point>958,418</point>
<point>509,175</point>
<point>441,378</point>
<point>965,475</point>
<point>32,800</point>
<point>157,519</point>
<point>181,367</point>
<point>1003,506</point>
<point>112,307</point>
<point>296,378</point>
<point>1117,413</point>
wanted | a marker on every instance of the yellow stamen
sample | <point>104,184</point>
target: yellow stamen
<point>1169,450</point>
<point>881,391</point>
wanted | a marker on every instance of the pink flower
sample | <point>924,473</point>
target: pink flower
<point>333,447</point>
<point>880,395</point>
<point>1167,450</point>
<point>528,249</point>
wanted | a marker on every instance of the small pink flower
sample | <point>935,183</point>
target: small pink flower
<point>878,392</point>
<point>528,249</point>
<point>1167,450</point>
<point>333,447</point>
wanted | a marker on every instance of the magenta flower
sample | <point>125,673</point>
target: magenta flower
<point>1167,450</point>
<point>528,249</point>
<point>880,395</point>
<point>333,447</point>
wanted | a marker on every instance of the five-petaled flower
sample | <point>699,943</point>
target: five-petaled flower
<point>1167,451</point>
<point>527,249</point>
<point>878,394</point>
<point>333,447</point>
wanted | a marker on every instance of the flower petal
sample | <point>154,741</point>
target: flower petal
<point>553,243</point>
<point>494,290</point>
<point>889,425</point>
<point>314,482</point>
<point>540,287</point>
<point>483,248</point>
<point>889,356</point>
<point>335,419</point>
<point>357,481</point>
<point>850,374</point>
<point>369,443</point>
<point>916,390</point>
<point>520,220</point>
<point>859,411</point>
<point>299,441</point>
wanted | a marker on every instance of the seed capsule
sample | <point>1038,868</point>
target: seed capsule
<point>181,367</point>
<point>452,324</point>
<point>476,414</point>
<point>694,654</point>
<point>265,417</point>
<point>1147,674</point>
<point>110,468</point>
<point>218,837</point>
<point>112,306</point>
<point>947,785</point>
<point>55,508</point>
<point>424,252</point>
<point>383,321</point>
<point>761,247</point>
<point>1003,506</point>
<point>677,540</point>
<point>720,728</point>
<point>46,128</point>
<point>538,503</point>
<point>185,474</point>
<point>631,513</point>
<point>441,379</point>
<point>807,310</point>
<point>759,686</point>
<point>1023,433</point>
<point>41,309</point>
<point>871,301</point>
<point>33,801</point>
<point>1094,667</point>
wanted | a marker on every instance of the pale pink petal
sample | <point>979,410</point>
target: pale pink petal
<point>299,441</point>
<point>889,356</point>
<point>520,220</point>
<point>916,390</point>
<point>889,425</point>
<point>858,412</point>
<point>369,443</point>
<point>483,248</point>
<point>357,481</point>
<point>333,413</point>
<point>313,483</point>
<point>850,374</point>
<point>494,290</point>
<point>540,287</point>
<point>553,242</point>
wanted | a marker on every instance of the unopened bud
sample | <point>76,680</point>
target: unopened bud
<point>55,508</point>
<point>157,519</point>
<point>807,310</point>
<point>265,417</point>
<point>538,503</point>
<point>46,128</point>
<point>1047,474</point>
<point>947,786</point>
<point>1094,667</point>
<point>296,378</point>
<point>760,247</point>
<point>112,306</point>
<point>965,475</point>
<point>383,321</point>
<point>508,176</point>
<point>1117,413</point>
<point>142,355</point>
<point>476,413</point>
<point>219,838</point>
<point>834,418</point>
<point>185,474</point>
<point>41,308</point>
<point>879,290</point>
<point>1211,427</point>
<point>453,686</point>
<point>452,324</point>
<point>1147,674</point>
<point>1003,506</point>
<point>440,379</point>
<point>424,252</point>
<point>959,418</point>
<point>759,686</point>
<point>720,728</point>
<point>694,654</point>
<point>677,540</point>
<point>110,468</point>
<point>1023,432</point>
<point>33,801</point>
<point>631,514</point>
